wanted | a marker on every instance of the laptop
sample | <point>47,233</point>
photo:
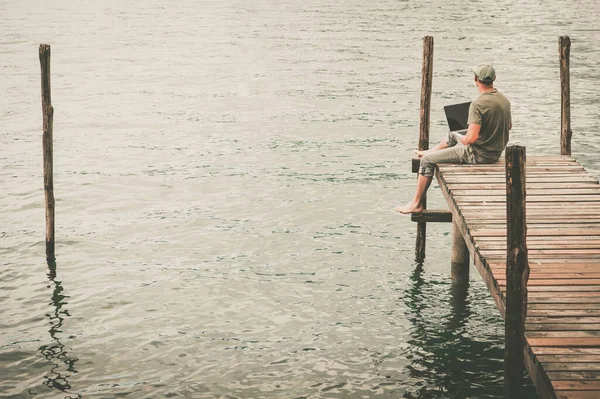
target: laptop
<point>457,116</point>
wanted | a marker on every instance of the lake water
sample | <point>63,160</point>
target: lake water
<point>225,173</point>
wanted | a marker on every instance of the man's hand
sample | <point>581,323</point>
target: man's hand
<point>472,134</point>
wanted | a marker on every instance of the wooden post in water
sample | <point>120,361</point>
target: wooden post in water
<point>517,272</point>
<point>459,271</point>
<point>564,50</point>
<point>48,114</point>
<point>426,80</point>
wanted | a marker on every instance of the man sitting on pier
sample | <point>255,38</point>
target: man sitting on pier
<point>487,134</point>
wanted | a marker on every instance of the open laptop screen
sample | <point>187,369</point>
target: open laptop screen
<point>457,116</point>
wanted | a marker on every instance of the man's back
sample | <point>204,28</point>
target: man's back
<point>491,110</point>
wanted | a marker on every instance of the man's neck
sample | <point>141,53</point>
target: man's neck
<point>485,89</point>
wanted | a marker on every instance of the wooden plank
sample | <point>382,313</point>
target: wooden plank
<point>541,245</point>
<point>543,248</point>
<point>576,395</point>
<point>571,342</point>
<point>493,232</point>
<point>562,334</point>
<point>577,295</point>
<point>571,366</point>
<point>576,385</point>
<point>561,350</point>
<point>530,186</point>
<point>562,299</point>
<point>563,320</point>
<point>501,274</point>
<point>556,179</point>
<point>575,376</point>
<point>540,239</point>
<point>562,327</point>
<point>472,199</point>
<point>534,306</point>
<point>428,216</point>
<point>564,312</point>
<point>576,358</point>
<point>590,190</point>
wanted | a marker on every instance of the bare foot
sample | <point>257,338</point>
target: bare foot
<point>411,207</point>
<point>421,153</point>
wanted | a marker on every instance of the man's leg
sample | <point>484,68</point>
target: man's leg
<point>441,145</point>
<point>456,154</point>
<point>416,205</point>
<point>453,139</point>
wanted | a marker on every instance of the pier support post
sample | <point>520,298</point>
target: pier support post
<point>517,272</point>
<point>564,50</point>
<point>48,115</point>
<point>460,256</point>
<point>426,80</point>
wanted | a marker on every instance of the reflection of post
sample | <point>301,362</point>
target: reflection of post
<point>56,352</point>
<point>48,114</point>
<point>517,272</point>
<point>427,77</point>
<point>459,293</point>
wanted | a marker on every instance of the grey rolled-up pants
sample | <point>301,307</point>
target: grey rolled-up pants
<point>456,153</point>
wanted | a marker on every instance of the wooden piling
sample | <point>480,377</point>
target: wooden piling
<point>517,272</point>
<point>564,50</point>
<point>460,256</point>
<point>48,115</point>
<point>426,83</point>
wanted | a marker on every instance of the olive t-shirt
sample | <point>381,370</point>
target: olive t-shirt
<point>491,111</point>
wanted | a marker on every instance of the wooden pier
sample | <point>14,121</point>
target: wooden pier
<point>562,337</point>
<point>532,230</point>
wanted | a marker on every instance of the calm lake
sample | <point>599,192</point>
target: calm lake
<point>225,173</point>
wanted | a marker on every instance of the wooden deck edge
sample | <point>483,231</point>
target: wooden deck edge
<point>543,386</point>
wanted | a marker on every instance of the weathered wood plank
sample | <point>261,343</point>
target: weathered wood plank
<point>530,186</point>
<point>428,216</point>
<point>590,190</point>
<point>561,350</point>
<point>570,342</point>
<point>576,395</point>
<point>562,334</point>
<point>572,366</point>
<point>563,320</point>
<point>562,327</point>
<point>576,358</point>
<point>575,376</point>
<point>536,306</point>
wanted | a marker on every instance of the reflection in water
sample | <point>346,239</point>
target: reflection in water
<point>63,364</point>
<point>457,353</point>
<point>449,360</point>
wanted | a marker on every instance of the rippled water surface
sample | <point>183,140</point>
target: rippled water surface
<point>225,173</point>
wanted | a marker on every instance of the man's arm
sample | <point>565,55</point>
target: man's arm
<point>472,134</point>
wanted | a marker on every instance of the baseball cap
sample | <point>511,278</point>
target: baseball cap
<point>485,73</point>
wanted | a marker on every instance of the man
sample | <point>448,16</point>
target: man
<point>489,123</point>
